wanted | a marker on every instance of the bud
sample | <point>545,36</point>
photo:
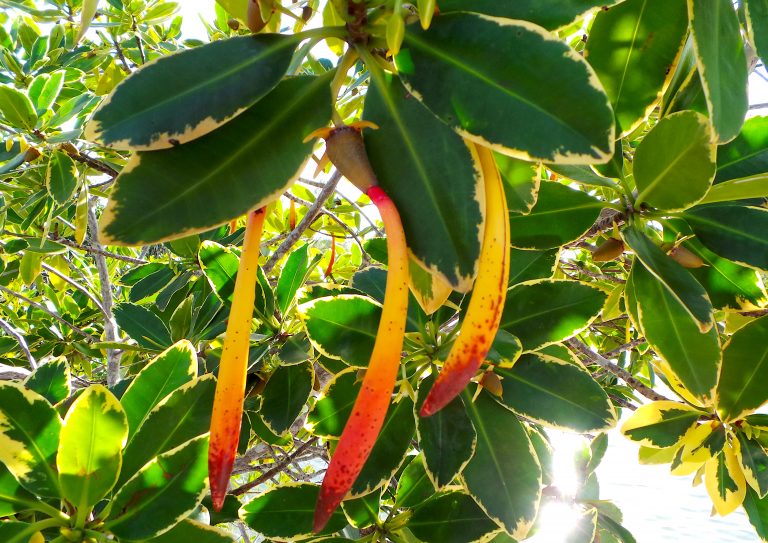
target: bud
<point>610,249</point>
<point>491,382</point>
<point>233,24</point>
<point>685,257</point>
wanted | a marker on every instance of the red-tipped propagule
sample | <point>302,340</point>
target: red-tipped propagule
<point>230,388</point>
<point>345,149</point>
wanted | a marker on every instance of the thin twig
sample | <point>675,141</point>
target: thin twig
<point>47,311</point>
<point>616,370</point>
<point>75,285</point>
<point>267,475</point>
<point>626,347</point>
<point>305,223</point>
<point>594,275</point>
<point>94,163</point>
<point>110,325</point>
<point>100,251</point>
<point>21,341</point>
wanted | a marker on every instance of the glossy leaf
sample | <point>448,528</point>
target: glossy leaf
<point>181,97</point>
<point>528,265</point>
<point>676,280</point>
<point>292,277</point>
<point>757,513</point>
<point>90,448</point>
<point>557,394</point>
<point>287,511</point>
<point>722,64</point>
<point>16,108</point>
<point>547,311</point>
<point>333,407</point>
<point>694,357</point>
<point>13,497</point>
<point>450,517</point>
<point>632,47</point>
<point>191,188</point>
<point>747,154</point>
<point>51,380</point>
<point>219,265</point>
<point>561,215</point>
<point>29,438</point>
<point>521,182</point>
<point>414,485</point>
<point>442,227</point>
<point>504,475</point>
<point>189,530</point>
<point>725,481</point>
<point>740,389</point>
<point>143,326</point>
<point>734,232</point>
<point>168,371</point>
<point>551,14</point>
<point>61,177</point>
<point>163,493</point>
<point>182,415</point>
<point>675,163</point>
<point>463,56</point>
<point>447,438</point>
<point>343,327</point>
<point>285,394</point>
<point>754,463</point>
<point>755,186</point>
<point>661,424</point>
<point>363,511</point>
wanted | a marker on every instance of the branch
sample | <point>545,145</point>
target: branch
<point>47,311</point>
<point>626,347</point>
<point>279,466</point>
<point>616,370</point>
<point>98,250</point>
<point>12,373</point>
<point>305,223</point>
<point>75,285</point>
<point>110,325</point>
<point>93,163</point>
<point>608,217</point>
<point>21,341</point>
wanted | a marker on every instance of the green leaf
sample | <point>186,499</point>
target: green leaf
<point>561,215</point>
<point>151,284</point>
<point>585,175</point>
<point>414,485</point>
<point>343,327</point>
<point>450,517</point>
<point>188,531</point>
<point>755,186</point>
<point>168,371</point>
<point>220,266</point>
<point>16,108</point>
<point>90,448</point>
<point>756,15</point>
<point>527,265</point>
<point>86,16</point>
<point>741,387</point>
<point>661,424</point>
<point>16,532</point>
<point>162,494</point>
<point>61,177</point>
<point>442,227</point>
<point>547,311</point>
<point>676,280</point>
<point>143,326</point>
<point>332,409</point>
<point>754,463</point>
<point>181,97</point>
<point>632,47</point>
<point>29,438</point>
<point>183,415</point>
<point>389,450</point>
<point>504,475</point>
<point>521,182</point>
<point>447,438</point>
<point>50,91</point>
<point>557,394</point>
<point>292,276</point>
<point>757,513</point>
<point>236,8</point>
<point>722,64</point>
<point>464,56</point>
<point>286,512</point>
<point>734,232</point>
<point>13,497</point>
<point>747,154</point>
<point>373,282</point>
<point>675,163</point>
<point>51,380</point>
<point>191,188</point>
<point>693,356</point>
<point>551,14</point>
<point>363,511</point>
<point>285,394</point>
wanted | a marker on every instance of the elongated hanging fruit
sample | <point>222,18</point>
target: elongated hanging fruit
<point>484,312</point>
<point>230,388</point>
<point>329,268</point>
<point>345,149</point>
<point>256,15</point>
<point>292,216</point>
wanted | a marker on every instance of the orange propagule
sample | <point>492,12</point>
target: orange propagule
<point>230,388</point>
<point>345,149</point>
<point>487,302</point>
